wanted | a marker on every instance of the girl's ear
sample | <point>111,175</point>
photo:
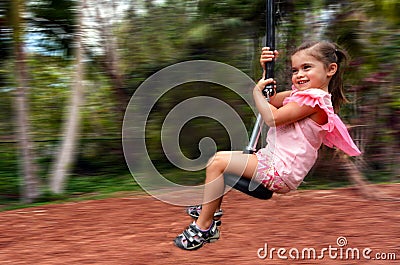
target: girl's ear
<point>332,69</point>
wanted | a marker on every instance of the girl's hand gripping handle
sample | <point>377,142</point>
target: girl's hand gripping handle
<point>267,61</point>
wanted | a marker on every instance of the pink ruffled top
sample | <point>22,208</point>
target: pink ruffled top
<point>294,147</point>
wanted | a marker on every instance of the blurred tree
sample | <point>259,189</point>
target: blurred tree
<point>53,24</point>
<point>153,36</point>
<point>66,156</point>
<point>102,18</point>
<point>5,36</point>
<point>235,27</point>
<point>30,185</point>
<point>6,51</point>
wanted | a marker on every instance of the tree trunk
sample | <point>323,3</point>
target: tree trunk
<point>66,155</point>
<point>111,63</point>
<point>30,186</point>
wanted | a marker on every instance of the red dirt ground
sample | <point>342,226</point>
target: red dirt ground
<point>140,230</point>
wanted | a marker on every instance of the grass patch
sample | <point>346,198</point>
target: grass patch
<point>80,188</point>
<point>102,186</point>
<point>189,178</point>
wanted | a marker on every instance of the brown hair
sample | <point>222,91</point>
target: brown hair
<point>328,53</point>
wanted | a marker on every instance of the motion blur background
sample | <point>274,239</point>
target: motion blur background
<point>91,56</point>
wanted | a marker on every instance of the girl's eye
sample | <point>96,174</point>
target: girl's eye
<point>294,71</point>
<point>307,67</point>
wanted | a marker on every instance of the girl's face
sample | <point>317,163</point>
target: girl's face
<point>308,72</point>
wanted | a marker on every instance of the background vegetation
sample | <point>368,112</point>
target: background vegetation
<point>124,42</point>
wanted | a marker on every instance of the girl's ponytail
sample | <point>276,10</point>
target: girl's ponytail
<point>336,85</point>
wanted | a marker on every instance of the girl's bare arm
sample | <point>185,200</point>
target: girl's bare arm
<point>278,99</point>
<point>274,116</point>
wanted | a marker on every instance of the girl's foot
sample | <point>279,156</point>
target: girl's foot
<point>194,238</point>
<point>194,212</point>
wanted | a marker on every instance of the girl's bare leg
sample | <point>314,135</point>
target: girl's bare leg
<point>234,162</point>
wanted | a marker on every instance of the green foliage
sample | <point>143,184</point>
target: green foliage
<point>246,10</point>
<point>194,130</point>
<point>101,184</point>
<point>54,21</point>
<point>6,124</point>
<point>9,180</point>
<point>49,91</point>
<point>5,38</point>
<point>149,44</point>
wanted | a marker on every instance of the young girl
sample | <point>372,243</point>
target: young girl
<point>300,120</point>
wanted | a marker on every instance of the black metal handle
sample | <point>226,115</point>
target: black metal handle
<point>240,183</point>
<point>269,90</point>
